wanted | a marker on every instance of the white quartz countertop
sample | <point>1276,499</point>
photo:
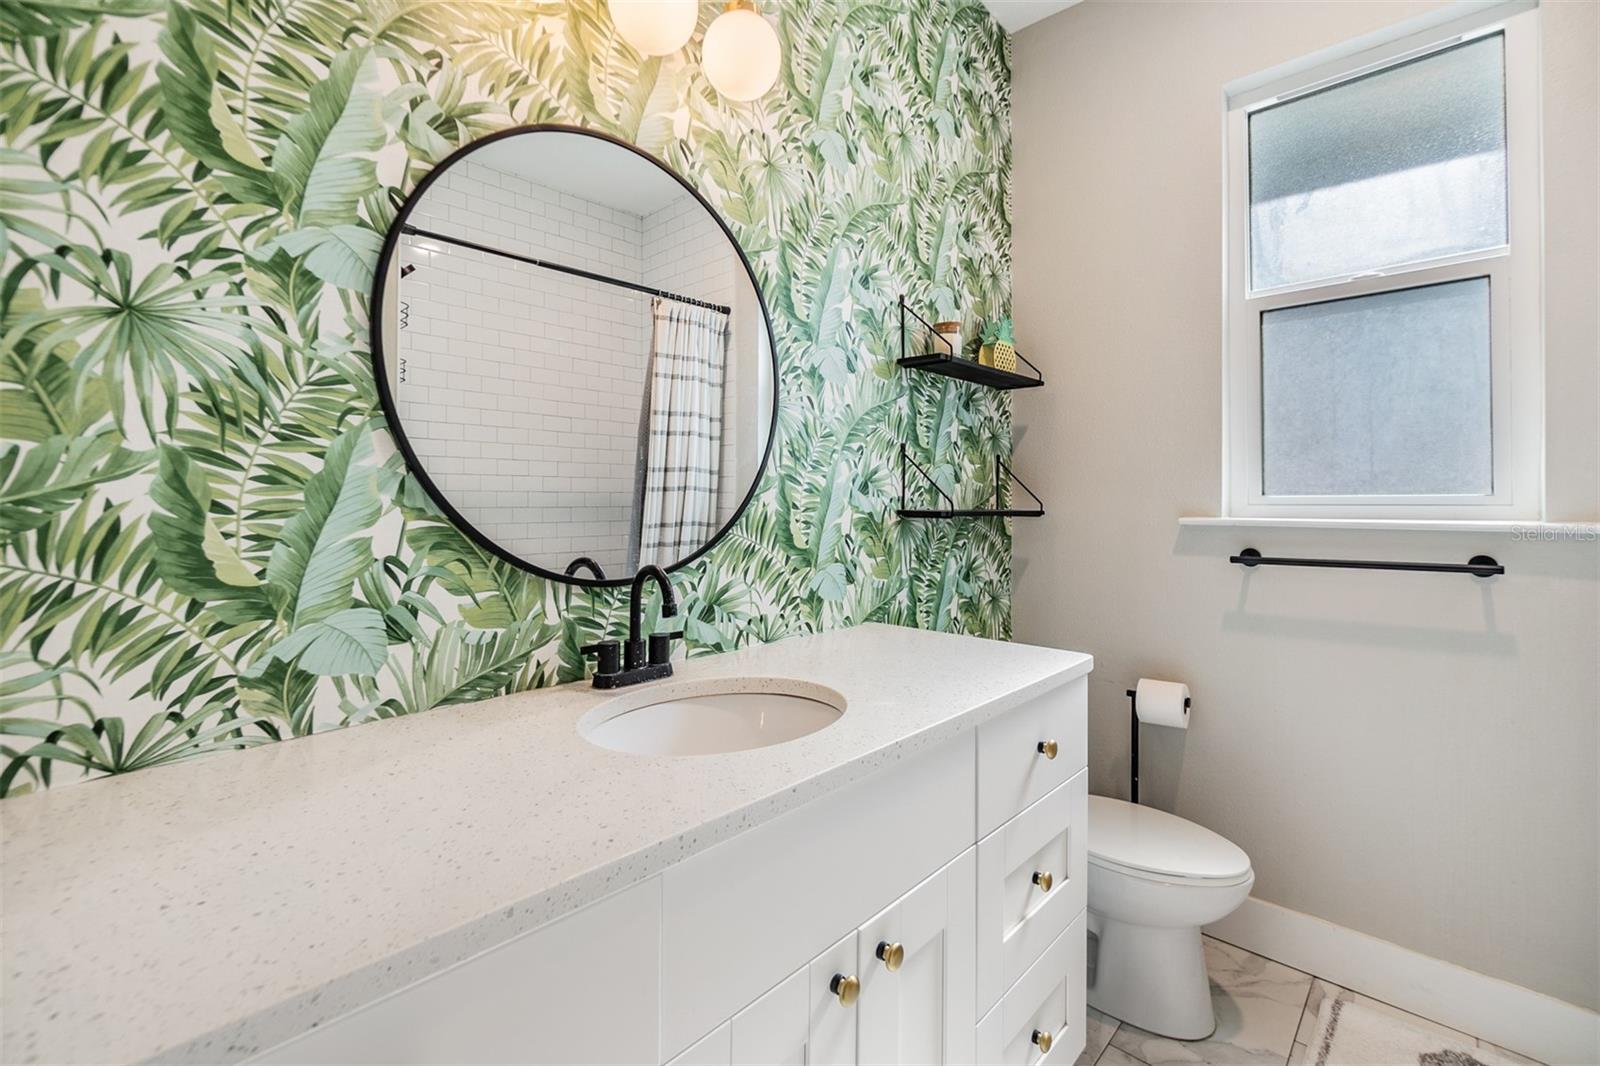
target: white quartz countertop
<point>204,911</point>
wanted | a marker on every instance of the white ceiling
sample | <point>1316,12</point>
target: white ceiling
<point>594,169</point>
<point>1015,14</point>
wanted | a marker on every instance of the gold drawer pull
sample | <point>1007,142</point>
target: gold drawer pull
<point>1043,1039</point>
<point>1048,748</point>
<point>846,988</point>
<point>1045,882</point>
<point>891,954</point>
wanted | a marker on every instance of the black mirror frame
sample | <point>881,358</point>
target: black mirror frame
<point>392,415</point>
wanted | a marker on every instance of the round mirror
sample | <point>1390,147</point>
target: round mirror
<point>573,355</point>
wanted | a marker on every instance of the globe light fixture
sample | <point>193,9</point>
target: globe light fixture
<point>655,27</point>
<point>741,54</point>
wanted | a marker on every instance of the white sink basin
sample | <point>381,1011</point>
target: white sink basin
<point>711,716</point>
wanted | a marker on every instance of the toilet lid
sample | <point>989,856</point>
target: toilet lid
<point>1143,838</point>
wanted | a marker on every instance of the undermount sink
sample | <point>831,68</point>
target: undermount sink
<point>711,716</point>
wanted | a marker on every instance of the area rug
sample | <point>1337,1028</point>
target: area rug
<point>1355,1031</point>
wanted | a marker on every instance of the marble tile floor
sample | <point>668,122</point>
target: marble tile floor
<point>1266,1015</point>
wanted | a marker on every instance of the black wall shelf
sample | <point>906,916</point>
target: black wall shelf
<point>967,370</point>
<point>951,365</point>
<point>950,510</point>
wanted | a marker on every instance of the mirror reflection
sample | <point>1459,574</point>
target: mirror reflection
<point>576,354</point>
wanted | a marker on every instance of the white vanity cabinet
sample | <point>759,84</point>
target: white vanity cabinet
<point>931,911</point>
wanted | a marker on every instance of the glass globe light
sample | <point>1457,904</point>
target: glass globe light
<point>655,27</point>
<point>741,54</point>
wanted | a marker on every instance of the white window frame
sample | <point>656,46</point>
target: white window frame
<point>1515,273</point>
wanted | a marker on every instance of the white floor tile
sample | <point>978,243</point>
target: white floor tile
<point>1097,1035</point>
<point>1372,1031</point>
<point>1117,1057</point>
<point>1309,1029</point>
<point>1267,1015</point>
<point>1320,990</point>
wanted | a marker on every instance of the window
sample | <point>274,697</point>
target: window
<point>1382,283</point>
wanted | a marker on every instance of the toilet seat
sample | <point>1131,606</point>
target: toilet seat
<point>1153,845</point>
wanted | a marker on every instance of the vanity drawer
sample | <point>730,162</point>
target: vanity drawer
<point>1017,918</point>
<point>1048,1001</point>
<point>1012,771</point>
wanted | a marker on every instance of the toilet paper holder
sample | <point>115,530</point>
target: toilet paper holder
<point>1133,748</point>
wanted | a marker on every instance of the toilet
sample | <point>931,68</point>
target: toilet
<point>1154,880</point>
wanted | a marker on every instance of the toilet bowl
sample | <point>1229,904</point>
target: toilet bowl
<point>1154,880</point>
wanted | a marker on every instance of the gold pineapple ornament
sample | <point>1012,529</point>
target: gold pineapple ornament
<point>999,346</point>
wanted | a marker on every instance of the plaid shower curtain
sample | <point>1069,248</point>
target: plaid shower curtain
<point>680,433</point>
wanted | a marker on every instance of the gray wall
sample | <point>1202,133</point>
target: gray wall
<point>1413,756</point>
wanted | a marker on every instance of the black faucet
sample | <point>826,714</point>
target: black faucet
<point>634,667</point>
<point>583,561</point>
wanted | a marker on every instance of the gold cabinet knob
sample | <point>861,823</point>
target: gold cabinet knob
<point>846,988</point>
<point>1045,882</point>
<point>891,954</point>
<point>1043,1039</point>
<point>1048,748</point>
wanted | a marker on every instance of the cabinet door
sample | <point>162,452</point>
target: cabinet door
<point>833,1020</point>
<point>713,1049</point>
<point>803,1021</point>
<point>774,1029</point>
<point>743,915</point>
<point>922,1010</point>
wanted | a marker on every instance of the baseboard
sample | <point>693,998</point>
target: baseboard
<point>1517,1018</point>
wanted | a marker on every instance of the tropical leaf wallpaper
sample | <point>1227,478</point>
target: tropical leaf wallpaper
<point>207,539</point>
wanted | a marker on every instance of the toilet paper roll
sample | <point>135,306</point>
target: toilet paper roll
<point>1162,703</point>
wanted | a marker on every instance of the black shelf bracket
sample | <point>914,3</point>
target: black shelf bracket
<point>950,510</point>
<point>1477,566</point>
<point>950,364</point>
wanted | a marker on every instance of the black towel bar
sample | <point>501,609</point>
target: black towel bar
<point>1477,566</point>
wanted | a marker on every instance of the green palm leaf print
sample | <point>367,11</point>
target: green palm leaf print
<point>207,538</point>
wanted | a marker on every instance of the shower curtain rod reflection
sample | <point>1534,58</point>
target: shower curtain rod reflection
<point>414,231</point>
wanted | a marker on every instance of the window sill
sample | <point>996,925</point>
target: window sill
<point>1529,529</point>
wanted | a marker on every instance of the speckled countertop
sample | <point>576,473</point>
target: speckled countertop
<point>204,911</point>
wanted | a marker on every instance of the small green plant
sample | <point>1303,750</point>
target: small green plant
<point>997,331</point>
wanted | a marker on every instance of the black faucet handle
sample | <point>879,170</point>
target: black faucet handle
<point>661,646</point>
<point>607,656</point>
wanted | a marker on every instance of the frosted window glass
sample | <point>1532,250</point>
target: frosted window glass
<point>1378,395</point>
<point>1399,166</point>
